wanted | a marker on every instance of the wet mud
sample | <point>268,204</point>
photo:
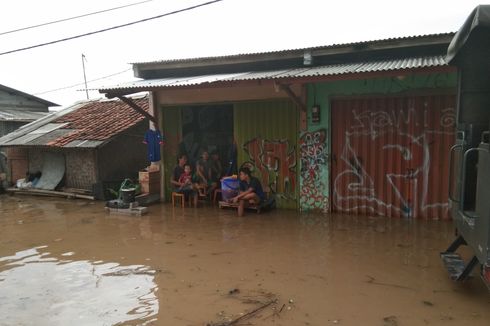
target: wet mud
<point>69,262</point>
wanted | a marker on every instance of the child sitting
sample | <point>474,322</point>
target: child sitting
<point>185,179</point>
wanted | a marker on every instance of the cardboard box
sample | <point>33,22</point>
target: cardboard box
<point>149,176</point>
<point>150,187</point>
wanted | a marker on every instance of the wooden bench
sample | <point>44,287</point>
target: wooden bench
<point>268,203</point>
<point>225,204</point>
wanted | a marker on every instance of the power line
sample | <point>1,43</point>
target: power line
<point>80,84</point>
<point>73,17</point>
<point>111,28</point>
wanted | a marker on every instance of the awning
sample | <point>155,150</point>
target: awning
<point>295,73</point>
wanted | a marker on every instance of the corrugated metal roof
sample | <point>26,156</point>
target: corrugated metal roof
<point>47,128</point>
<point>50,136</point>
<point>33,126</point>
<point>329,70</point>
<point>33,137</point>
<point>84,144</point>
<point>28,96</point>
<point>20,115</point>
<point>285,51</point>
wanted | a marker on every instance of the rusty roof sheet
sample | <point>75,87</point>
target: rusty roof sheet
<point>84,125</point>
<point>329,70</point>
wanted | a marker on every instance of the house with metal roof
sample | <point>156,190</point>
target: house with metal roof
<point>360,128</point>
<point>18,108</point>
<point>84,146</point>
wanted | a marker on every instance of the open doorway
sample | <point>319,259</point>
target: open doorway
<point>209,128</point>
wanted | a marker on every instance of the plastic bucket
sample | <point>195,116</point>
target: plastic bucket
<point>128,195</point>
<point>229,188</point>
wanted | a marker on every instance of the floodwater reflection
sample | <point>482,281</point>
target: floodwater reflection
<point>60,291</point>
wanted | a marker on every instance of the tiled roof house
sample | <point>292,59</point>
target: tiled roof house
<point>100,142</point>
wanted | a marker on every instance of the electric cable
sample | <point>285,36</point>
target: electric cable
<point>73,17</point>
<point>112,28</point>
<point>80,84</point>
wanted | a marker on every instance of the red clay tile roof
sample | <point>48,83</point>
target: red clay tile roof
<point>99,120</point>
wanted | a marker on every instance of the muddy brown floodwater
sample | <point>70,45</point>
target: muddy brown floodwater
<point>68,262</point>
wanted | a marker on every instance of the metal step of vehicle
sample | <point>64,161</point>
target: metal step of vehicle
<point>469,217</point>
<point>455,265</point>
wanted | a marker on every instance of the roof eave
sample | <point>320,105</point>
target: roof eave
<point>115,92</point>
<point>288,57</point>
<point>29,96</point>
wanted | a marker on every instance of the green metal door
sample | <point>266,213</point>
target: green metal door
<point>267,136</point>
<point>172,128</point>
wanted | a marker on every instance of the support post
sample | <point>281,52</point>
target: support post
<point>135,107</point>
<point>459,241</point>
<point>293,96</point>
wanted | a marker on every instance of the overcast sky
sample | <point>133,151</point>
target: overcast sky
<point>227,27</point>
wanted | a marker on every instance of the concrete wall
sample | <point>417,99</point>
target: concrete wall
<point>315,141</point>
<point>124,156</point>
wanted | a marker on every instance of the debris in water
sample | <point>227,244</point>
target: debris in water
<point>260,299</point>
<point>283,306</point>
<point>390,321</point>
<point>372,280</point>
<point>233,291</point>
<point>243,316</point>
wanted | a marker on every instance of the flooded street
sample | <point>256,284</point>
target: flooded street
<point>69,262</point>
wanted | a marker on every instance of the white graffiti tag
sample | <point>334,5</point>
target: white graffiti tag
<point>402,145</point>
